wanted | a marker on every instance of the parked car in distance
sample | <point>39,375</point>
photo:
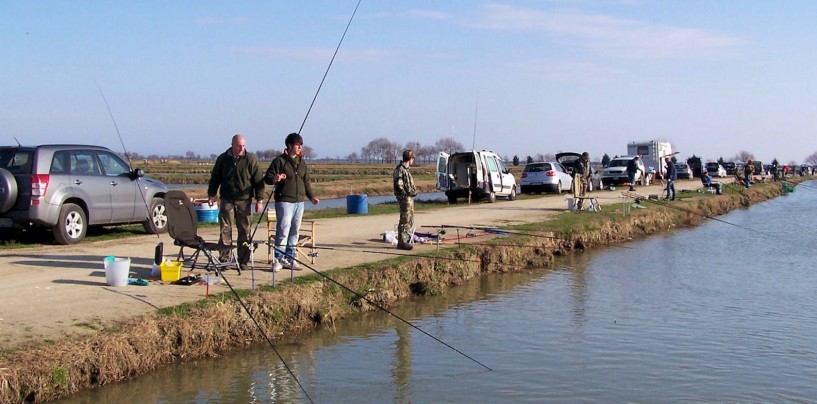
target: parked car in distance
<point>616,172</point>
<point>715,169</point>
<point>683,171</point>
<point>474,174</point>
<point>547,176</point>
<point>68,188</point>
<point>730,167</point>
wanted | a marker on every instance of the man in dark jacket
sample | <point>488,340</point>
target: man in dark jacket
<point>632,170</point>
<point>236,178</point>
<point>581,178</point>
<point>672,176</point>
<point>405,191</point>
<point>289,175</point>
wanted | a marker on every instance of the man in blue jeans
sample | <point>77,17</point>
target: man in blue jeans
<point>672,175</point>
<point>290,176</point>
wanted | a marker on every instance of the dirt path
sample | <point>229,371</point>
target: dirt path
<point>52,291</point>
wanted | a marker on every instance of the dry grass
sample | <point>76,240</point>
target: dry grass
<point>216,325</point>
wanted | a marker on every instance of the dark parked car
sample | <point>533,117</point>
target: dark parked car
<point>730,167</point>
<point>69,187</point>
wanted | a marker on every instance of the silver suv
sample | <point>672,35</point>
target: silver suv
<point>70,187</point>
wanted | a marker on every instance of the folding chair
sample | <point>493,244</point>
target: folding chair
<point>306,237</point>
<point>182,225</point>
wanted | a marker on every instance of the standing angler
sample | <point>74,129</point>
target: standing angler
<point>237,178</point>
<point>405,191</point>
<point>672,175</point>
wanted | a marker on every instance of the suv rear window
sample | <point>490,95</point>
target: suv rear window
<point>16,161</point>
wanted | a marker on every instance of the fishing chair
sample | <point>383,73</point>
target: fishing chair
<point>182,225</point>
<point>306,238</point>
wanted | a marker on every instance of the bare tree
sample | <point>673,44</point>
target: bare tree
<point>811,159</point>
<point>382,149</point>
<point>352,157</point>
<point>309,152</point>
<point>743,155</point>
<point>449,145</point>
<point>427,153</point>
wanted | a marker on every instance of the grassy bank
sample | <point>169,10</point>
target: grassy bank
<point>210,327</point>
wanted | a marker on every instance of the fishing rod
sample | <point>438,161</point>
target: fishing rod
<point>504,232</point>
<point>314,98</point>
<point>130,164</point>
<point>394,253</point>
<point>211,261</point>
<point>329,278</point>
<point>639,198</point>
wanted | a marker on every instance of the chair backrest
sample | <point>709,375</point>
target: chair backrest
<point>182,222</point>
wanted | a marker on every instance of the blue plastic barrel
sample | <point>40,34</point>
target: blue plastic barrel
<point>206,213</point>
<point>357,204</point>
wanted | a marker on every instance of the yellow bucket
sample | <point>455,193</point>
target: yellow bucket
<point>171,270</point>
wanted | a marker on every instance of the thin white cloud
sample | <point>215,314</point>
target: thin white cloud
<point>219,21</point>
<point>414,13</point>
<point>428,14</point>
<point>318,54</point>
<point>609,35</point>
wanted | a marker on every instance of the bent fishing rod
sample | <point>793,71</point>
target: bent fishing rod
<point>389,312</point>
<point>639,198</point>
<point>306,116</point>
<point>130,164</point>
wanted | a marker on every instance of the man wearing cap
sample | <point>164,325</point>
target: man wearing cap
<point>405,191</point>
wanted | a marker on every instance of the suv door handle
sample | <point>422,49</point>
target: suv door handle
<point>78,182</point>
<point>114,183</point>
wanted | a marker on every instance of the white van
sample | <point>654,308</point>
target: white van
<point>474,174</point>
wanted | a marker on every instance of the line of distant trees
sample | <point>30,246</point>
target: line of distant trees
<point>383,150</point>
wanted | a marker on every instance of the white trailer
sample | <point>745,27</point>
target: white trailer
<point>652,153</point>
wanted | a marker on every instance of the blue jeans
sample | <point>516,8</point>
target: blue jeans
<point>289,216</point>
<point>671,190</point>
<point>631,178</point>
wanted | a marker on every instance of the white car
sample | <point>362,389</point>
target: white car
<point>616,172</point>
<point>546,176</point>
<point>715,169</point>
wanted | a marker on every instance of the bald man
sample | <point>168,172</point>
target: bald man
<point>237,179</point>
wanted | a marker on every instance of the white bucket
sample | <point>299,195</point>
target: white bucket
<point>571,203</point>
<point>116,271</point>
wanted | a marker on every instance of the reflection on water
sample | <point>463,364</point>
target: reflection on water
<point>717,313</point>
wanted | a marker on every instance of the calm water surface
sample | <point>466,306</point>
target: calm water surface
<point>713,314</point>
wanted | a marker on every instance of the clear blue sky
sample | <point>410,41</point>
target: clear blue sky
<point>712,77</point>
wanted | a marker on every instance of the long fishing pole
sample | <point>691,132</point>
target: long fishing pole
<point>327,277</point>
<point>501,231</point>
<point>314,98</point>
<point>130,164</point>
<point>211,261</point>
<point>640,198</point>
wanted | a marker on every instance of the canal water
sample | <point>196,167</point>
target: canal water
<point>718,313</point>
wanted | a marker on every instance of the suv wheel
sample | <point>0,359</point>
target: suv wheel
<point>8,190</point>
<point>72,226</point>
<point>512,195</point>
<point>157,221</point>
<point>491,197</point>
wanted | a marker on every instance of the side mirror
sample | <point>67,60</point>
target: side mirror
<point>138,173</point>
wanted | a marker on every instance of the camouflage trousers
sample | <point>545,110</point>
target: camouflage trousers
<point>406,220</point>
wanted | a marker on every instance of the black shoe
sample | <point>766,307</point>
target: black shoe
<point>406,247</point>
